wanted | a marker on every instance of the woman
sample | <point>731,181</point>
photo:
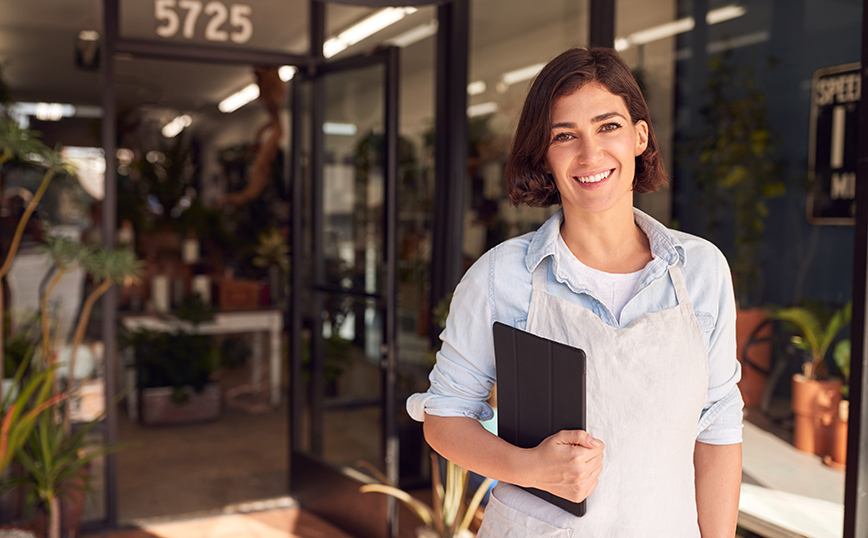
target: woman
<point>652,308</point>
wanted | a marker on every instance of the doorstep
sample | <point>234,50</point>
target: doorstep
<point>283,522</point>
<point>787,493</point>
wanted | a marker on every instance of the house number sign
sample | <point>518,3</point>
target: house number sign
<point>833,148</point>
<point>214,21</point>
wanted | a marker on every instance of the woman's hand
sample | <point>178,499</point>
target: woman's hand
<point>566,464</point>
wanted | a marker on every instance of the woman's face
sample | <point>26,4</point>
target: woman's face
<point>592,150</point>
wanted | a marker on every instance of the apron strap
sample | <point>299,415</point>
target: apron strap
<point>540,273</point>
<point>680,287</point>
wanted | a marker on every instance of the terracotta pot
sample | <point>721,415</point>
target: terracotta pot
<point>839,455</point>
<point>753,381</point>
<point>815,404</point>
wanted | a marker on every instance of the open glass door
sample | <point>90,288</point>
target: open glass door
<point>344,288</point>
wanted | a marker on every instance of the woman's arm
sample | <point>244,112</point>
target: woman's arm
<point>567,464</point>
<point>718,484</point>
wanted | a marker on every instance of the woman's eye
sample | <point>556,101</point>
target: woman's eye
<point>610,127</point>
<point>562,136</point>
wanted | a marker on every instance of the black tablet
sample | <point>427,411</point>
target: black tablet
<point>540,391</point>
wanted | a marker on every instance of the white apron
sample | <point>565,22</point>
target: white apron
<point>647,384</point>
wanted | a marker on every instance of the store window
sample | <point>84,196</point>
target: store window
<point>733,91</point>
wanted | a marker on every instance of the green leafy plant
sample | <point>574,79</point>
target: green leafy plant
<point>57,464</point>
<point>739,168</point>
<point>451,513</point>
<point>841,354</point>
<point>815,334</point>
<point>24,145</point>
<point>173,359</point>
<point>23,407</point>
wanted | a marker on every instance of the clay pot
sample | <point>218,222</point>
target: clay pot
<point>839,455</point>
<point>815,404</point>
<point>754,376</point>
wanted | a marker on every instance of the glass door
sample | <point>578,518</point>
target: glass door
<point>344,305</point>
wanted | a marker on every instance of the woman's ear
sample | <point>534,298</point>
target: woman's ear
<point>641,127</point>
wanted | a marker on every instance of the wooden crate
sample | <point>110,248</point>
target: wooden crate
<point>238,294</point>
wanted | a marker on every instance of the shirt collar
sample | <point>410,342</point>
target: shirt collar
<point>664,244</point>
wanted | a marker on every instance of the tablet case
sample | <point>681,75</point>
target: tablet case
<point>540,391</point>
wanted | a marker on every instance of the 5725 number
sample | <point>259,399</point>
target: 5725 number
<point>169,13</point>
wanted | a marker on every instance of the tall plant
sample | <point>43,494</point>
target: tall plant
<point>739,168</point>
<point>24,145</point>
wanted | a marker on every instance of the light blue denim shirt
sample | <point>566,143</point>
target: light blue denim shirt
<point>498,288</point>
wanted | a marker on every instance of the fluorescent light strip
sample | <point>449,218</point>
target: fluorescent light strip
<point>679,26</point>
<point>481,109</point>
<point>475,88</point>
<point>724,14</point>
<point>520,75</point>
<point>365,28</point>
<point>239,99</point>
<point>171,129</point>
<point>415,35</point>
<point>342,129</point>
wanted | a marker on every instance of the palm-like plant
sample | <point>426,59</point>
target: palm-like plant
<point>106,267</point>
<point>450,516</point>
<point>815,336</point>
<point>24,145</point>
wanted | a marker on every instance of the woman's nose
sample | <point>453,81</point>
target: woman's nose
<point>587,150</point>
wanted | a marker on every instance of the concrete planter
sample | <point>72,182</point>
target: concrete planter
<point>157,407</point>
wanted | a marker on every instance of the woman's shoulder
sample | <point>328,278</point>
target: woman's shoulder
<point>699,251</point>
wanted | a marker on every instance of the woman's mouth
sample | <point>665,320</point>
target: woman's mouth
<point>593,178</point>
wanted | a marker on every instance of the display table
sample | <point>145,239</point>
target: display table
<point>258,322</point>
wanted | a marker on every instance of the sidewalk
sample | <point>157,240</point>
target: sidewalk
<point>285,522</point>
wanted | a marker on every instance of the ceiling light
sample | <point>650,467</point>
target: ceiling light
<point>286,72</point>
<point>520,75</point>
<point>724,14</point>
<point>481,109</point>
<point>52,111</point>
<point>171,129</point>
<point>475,88</point>
<point>364,29</point>
<point>239,99</point>
<point>679,26</point>
<point>415,35</point>
<point>343,129</point>
<point>663,31</point>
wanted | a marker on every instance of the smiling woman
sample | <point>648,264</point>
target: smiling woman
<point>603,277</point>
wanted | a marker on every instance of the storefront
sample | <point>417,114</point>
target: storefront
<point>372,139</point>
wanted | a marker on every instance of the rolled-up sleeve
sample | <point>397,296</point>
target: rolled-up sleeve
<point>463,377</point>
<point>721,420</point>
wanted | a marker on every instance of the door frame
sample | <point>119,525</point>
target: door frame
<point>321,487</point>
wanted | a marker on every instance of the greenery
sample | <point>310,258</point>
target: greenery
<point>815,333</point>
<point>56,464</point>
<point>739,167</point>
<point>451,513</point>
<point>36,428</point>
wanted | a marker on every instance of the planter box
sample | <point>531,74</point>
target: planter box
<point>158,408</point>
<point>238,294</point>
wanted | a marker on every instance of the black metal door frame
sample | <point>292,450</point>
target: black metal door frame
<point>314,482</point>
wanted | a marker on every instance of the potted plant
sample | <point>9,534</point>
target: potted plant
<point>815,395</point>
<point>841,354</point>
<point>450,515</point>
<point>173,371</point>
<point>57,473</point>
<point>737,173</point>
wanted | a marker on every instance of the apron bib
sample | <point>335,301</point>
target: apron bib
<point>647,383</point>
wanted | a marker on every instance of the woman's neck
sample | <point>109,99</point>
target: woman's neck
<point>609,241</point>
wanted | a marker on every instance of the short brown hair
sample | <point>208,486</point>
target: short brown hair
<point>525,177</point>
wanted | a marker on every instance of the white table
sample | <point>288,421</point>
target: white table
<point>257,322</point>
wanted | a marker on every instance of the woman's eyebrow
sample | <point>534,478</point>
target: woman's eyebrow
<point>595,119</point>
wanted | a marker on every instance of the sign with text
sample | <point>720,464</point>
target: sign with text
<point>835,95</point>
<point>273,25</point>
